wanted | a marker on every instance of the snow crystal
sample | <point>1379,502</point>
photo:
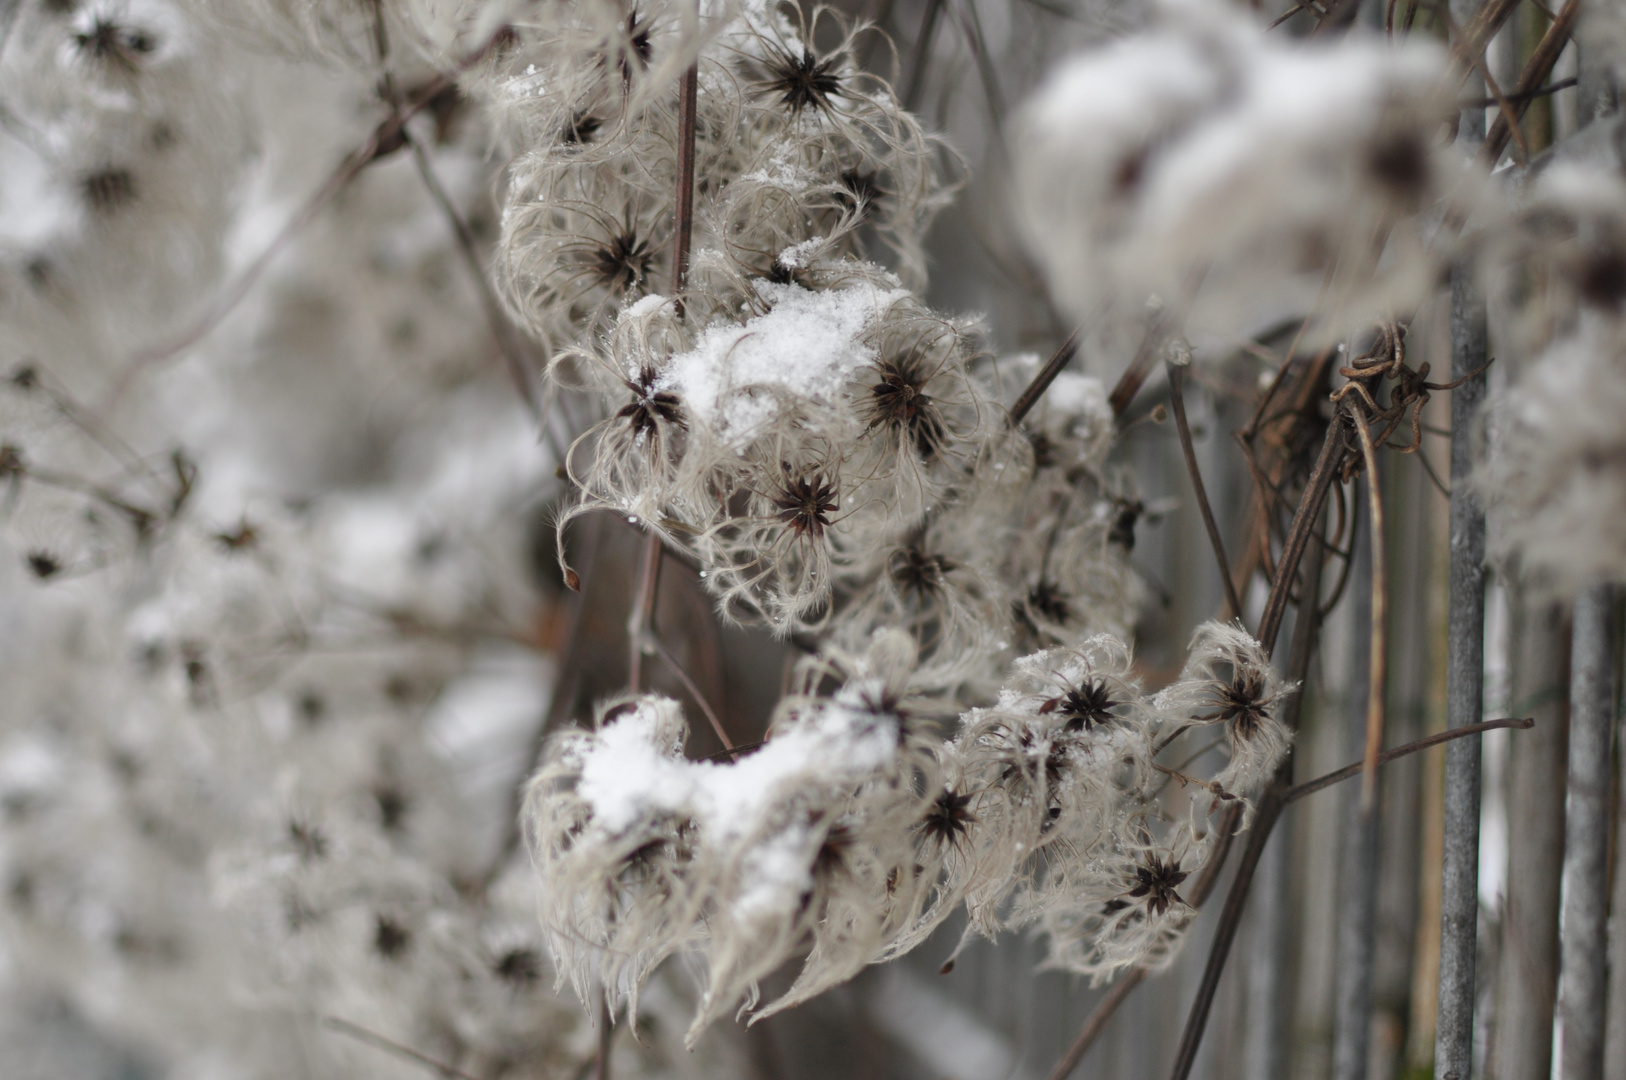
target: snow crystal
<point>644,305</point>
<point>626,774</point>
<point>776,875</point>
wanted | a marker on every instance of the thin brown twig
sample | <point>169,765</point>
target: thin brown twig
<point>1521,96</point>
<point>1177,400</point>
<point>1310,504</point>
<point>1338,17</point>
<point>1320,783</point>
<point>735,751</point>
<point>1428,467</point>
<point>502,329</point>
<point>381,1042</point>
<point>1536,71</point>
<point>1043,378</point>
<point>1097,1022</point>
<point>1505,108</point>
<point>683,220</point>
<point>1303,5</point>
<point>641,631</point>
<point>694,691</point>
<point>1129,383</point>
<point>1266,815</point>
<point>975,40</point>
<point>1473,37</point>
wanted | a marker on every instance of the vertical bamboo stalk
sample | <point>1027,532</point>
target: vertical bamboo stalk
<point>1465,667</point>
<point>1413,581</point>
<point>1522,1046</point>
<point>1425,967</point>
<point>1583,984</point>
<point>1614,1060</point>
<point>1357,869</point>
<point>1267,1041</point>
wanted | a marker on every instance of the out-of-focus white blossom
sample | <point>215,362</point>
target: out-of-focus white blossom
<point>1243,177</point>
<point>1554,480</point>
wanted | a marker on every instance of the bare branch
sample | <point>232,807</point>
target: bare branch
<point>1310,787</point>
<point>1177,400</point>
<point>373,1038</point>
<point>1043,378</point>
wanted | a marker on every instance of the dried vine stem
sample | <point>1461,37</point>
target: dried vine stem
<point>1310,787</point>
<point>640,629</point>
<point>1097,1023</point>
<point>683,226</point>
<point>1474,37</point>
<point>374,1039</point>
<point>1326,470</point>
<point>1306,633</point>
<point>1129,383</point>
<point>1043,378</point>
<point>508,338</point>
<point>1177,400</point>
<point>606,1022</point>
<point>683,218</point>
<point>694,691</point>
<point>923,46</point>
<point>1536,72</point>
<point>1356,902</point>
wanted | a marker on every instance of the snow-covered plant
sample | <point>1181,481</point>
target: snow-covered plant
<point>854,831</point>
<point>339,337</point>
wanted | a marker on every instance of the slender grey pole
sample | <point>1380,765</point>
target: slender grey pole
<point>1465,666</point>
<point>1527,976</point>
<point>1267,1042</point>
<point>1614,1059</point>
<point>1583,983</point>
<point>1358,854</point>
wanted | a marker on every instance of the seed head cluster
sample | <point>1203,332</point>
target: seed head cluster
<point>857,828</point>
